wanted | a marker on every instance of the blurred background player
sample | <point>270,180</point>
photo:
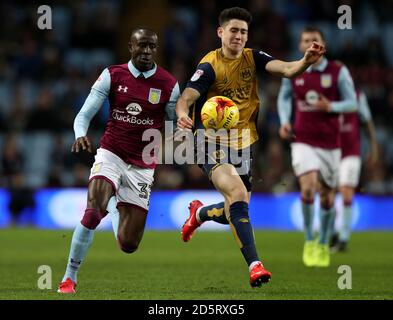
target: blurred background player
<point>140,93</point>
<point>350,164</point>
<point>319,95</point>
<point>231,71</point>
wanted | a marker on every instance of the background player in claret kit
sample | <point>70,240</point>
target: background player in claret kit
<point>320,94</point>
<point>350,165</point>
<point>140,93</point>
<point>231,71</point>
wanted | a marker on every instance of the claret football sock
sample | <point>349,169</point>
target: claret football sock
<point>242,230</point>
<point>308,215</point>
<point>214,212</point>
<point>80,244</point>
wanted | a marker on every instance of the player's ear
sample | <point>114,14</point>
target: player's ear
<point>220,30</point>
<point>129,46</point>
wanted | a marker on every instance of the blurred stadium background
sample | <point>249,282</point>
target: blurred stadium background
<point>47,74</point>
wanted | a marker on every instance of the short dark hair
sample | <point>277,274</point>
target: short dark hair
<point>234,13</point>
<point>143,29</point>
<point>314,29</point>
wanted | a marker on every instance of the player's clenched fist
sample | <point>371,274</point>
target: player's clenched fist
<point>81,143</point>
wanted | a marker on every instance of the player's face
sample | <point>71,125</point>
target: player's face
<point>143,48</point>
<point>234,35</point>
<point>307,39</point>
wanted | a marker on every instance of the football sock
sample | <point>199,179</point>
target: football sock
<point>214,212</point>
<point>114,214</point>
<point>347,220</point>
<point>242,230</point>
<point>331,223</point>
<point>80,244</point>
<point>325,219</point>
<point>308,216</point>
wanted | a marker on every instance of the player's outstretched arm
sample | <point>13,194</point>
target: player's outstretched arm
<point>187,98</point>
<point>294,68</point>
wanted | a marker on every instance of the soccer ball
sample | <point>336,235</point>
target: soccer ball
<point>219,113</point>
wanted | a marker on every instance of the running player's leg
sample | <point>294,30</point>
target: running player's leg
<point>306,165</point>
<point>99,193</point>
<point>349,179</point>
<point>347,193</point>
<point>219,212</point>
<point>133,205</point>
<point>329,173</point>
<point>308,188</point>
<point>131,227</point>
<point>227,181</point>
<point>327,214</point>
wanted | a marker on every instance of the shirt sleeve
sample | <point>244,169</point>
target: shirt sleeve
<point>170,106</point>
<point>99,92</point>
<point>364,109</point>
<point>284,101</point>
<point>346,88</point>
<point>261,58</point>
<point>203,78</point>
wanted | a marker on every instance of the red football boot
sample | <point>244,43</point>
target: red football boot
<point>191,223</point>
<point>67,286</point>
<point>259,275</point>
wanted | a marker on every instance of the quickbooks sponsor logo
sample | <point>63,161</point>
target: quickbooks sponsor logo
<point>121,116</point>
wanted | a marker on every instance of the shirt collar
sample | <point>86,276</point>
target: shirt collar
<point>321,67</point>
<point>136,73</point>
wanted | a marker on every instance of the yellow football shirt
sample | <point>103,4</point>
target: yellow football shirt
<point>236,79</point>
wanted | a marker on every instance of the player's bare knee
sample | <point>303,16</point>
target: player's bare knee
<point>238,193</point>
<point>308,193</point>
<point>97,204</point>
<point>128,246</point>
<point>128,249</point>
<point>326,202</point>
<point>347,197</point>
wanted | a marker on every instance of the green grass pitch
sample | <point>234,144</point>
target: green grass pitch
<point>208,267</point>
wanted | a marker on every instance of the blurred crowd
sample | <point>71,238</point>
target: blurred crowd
<point>45,76</point>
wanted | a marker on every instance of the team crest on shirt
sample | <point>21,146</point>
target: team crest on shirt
<point>326,80</point>
<point>246,74</point>
<point>154,95</point>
